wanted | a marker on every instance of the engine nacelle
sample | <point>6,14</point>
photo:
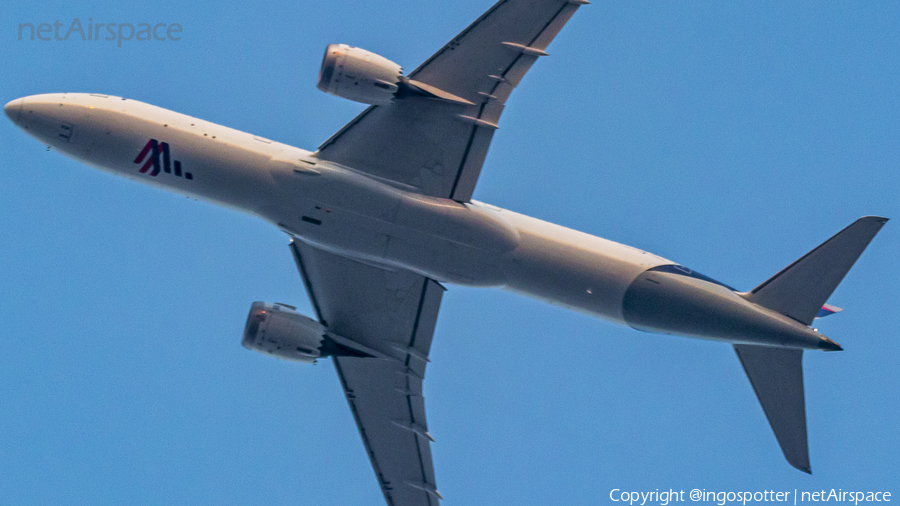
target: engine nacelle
<point>358,75</point>
<point>277,330</point>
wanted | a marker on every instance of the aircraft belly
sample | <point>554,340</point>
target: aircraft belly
<point>390,245</point>
<point>445,260</point>
<point>357,217</point>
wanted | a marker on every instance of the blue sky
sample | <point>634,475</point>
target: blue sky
<point>731,137</point>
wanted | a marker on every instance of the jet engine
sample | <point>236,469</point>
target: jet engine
<point>278,330</point>
<point>358,75</point>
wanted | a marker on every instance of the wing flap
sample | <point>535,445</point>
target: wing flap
<point>475,153</point>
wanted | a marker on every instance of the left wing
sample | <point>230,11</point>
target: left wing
<point>393,312</point>
<point>438,146</point>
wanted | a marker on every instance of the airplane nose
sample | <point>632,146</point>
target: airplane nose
<point>13,110</point>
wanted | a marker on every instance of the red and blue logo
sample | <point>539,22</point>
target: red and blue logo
<point>828,309</point>
<point>159,160</point>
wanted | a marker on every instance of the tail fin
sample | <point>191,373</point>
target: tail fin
<point>802,288</point>
<point>777,378</point>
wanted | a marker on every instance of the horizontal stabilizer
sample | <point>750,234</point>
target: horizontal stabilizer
<point>802,288</point>
<point>777,378</point>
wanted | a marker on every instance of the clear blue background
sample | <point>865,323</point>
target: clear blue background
<point>731,137</point>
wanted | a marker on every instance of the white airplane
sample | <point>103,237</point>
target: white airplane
<point>381,219</point>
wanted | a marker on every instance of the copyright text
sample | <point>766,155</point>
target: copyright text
<point>665,497</point>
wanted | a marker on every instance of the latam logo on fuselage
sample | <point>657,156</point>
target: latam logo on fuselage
<point>159,159</point>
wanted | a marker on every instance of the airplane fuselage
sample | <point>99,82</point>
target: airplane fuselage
<point>389,225</point>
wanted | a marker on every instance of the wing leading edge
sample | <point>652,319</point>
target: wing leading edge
<point>437,146</point>
<point>393,312</point>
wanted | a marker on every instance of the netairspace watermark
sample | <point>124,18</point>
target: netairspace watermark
<point>697,495</point>
<point>90,31</point>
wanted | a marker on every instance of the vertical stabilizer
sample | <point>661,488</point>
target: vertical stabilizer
<point>777,378</point>
<point>802,288</point>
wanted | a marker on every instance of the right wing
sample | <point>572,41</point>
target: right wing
<point>393,312</point>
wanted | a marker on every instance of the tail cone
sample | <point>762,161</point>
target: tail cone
<point>829,345</point>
